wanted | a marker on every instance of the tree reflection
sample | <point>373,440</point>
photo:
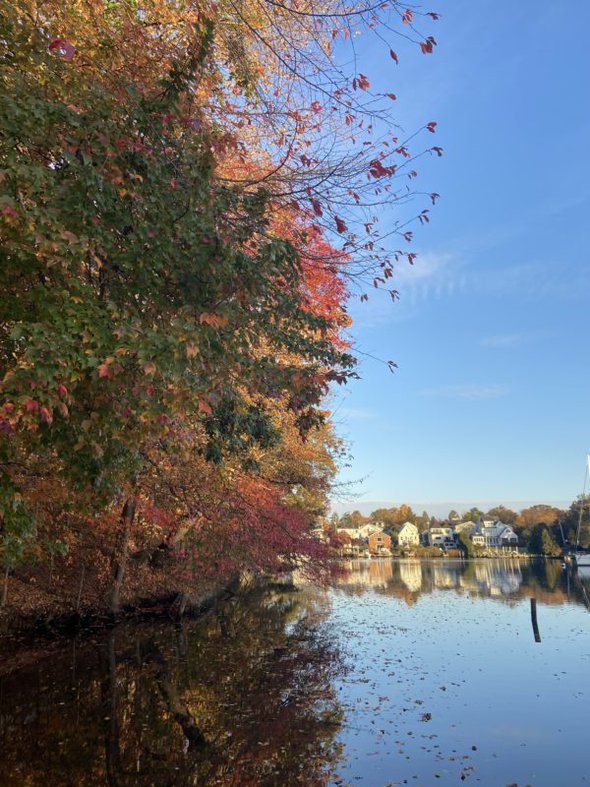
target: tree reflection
<point>243,698</point>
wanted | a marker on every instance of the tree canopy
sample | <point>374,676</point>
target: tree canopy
<point>186,195</point>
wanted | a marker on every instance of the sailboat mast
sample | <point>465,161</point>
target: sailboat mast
<point>583,501</point>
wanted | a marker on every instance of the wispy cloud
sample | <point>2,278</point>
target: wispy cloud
<point>504,340</point>
<point>431,276</point>
<point>467,391</point>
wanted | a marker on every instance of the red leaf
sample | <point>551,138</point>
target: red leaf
<point>317,208</point>
<point>407,17</point>
<point>431,126</point>
<point>438,150</point>
<point>65,49</point>
<point>363,82</point>
<point>377,170</point>
<point>46,416</point>
<point>205,407</point>
<point>340,225</point>
<point>393,56</point>
<point>426,46</point>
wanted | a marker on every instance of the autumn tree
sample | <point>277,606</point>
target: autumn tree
<point>473,515</point>
<point>404,514</point>
<point>184,194</point>
<point>353,519</point>
<point>505,515</point>
<point>332,149</point>
<point>385,515</point>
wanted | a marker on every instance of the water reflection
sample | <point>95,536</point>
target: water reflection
<point>256,694</point>
<point>244,698</point>
<point>463,671</point>
<point>508,580</point>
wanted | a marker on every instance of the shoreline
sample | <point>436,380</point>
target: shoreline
<point>26,638</point>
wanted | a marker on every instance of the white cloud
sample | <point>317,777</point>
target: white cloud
<point>431,276</point>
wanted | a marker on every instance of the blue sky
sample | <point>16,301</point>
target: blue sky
<point>490,403</point>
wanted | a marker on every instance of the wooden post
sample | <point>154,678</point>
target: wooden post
<point>534,620</point>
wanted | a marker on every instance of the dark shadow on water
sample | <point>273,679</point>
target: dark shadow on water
<point>245,697</point>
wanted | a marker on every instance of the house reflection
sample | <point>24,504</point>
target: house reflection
<point>381,572</point>
<point>377,573</point>
<point>410,572</point>
<point>446,574</point>
<point>506,579</point>
<point>497,578</point>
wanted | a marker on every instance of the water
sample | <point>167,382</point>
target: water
<point>407,672</point>
<point>448,683</point>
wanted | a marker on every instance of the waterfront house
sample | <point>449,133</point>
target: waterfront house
<point>493,533</point>
<point>379,543</point>
<point>408,536</point>
<point>497,534</point>
<point>360,534</point>
<point>441,536</point>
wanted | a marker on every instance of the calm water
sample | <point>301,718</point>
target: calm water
<point>410,672</point>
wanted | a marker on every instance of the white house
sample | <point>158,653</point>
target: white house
<point>493,533</point>
<point>441,536</point>
<point>372,527</point>
<point>361,533</point>
<point>499,535</point>
<point>408,535</point>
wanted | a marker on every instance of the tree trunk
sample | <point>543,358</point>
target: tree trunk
<point>121,554</point>
<point>5,588</point>
<point>80,588</point>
